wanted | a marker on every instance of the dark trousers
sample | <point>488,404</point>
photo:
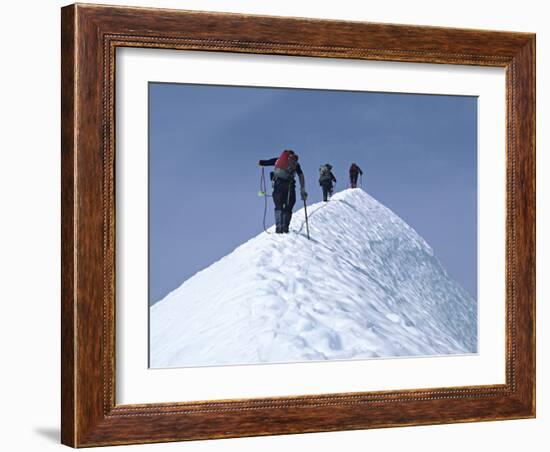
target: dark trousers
<point>284,198</point>
<point>327,190</point>
<point>353,179</point>
<point>284,195</point>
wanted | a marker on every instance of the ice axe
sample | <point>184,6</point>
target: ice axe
<point>307,223</point>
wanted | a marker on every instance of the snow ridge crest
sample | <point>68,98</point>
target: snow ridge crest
<point>366,285</point>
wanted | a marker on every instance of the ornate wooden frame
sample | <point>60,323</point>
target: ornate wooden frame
<point>90,35</point>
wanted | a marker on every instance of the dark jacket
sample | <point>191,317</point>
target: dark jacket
<point>327,179</point>
<point>354,170</point>
<point>272,161</point>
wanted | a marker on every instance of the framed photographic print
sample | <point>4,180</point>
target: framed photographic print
<point>281,225</point>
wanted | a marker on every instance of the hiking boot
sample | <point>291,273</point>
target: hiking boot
<point>286,221</point>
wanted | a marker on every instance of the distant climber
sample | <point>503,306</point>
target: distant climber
<point>354,172</point>
<point>326,178</point>
<point>284,187</point>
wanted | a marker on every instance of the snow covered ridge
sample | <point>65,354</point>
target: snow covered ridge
<point>366,285</point>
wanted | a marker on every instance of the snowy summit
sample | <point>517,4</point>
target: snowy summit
<point>366,285</point>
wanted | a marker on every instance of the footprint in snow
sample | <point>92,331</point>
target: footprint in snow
<point>393,317</point>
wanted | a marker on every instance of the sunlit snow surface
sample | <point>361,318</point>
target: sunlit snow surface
<point>366,285</point>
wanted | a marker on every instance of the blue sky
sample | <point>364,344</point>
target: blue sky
<point>418,153</point>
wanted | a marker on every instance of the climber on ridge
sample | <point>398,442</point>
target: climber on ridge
<point>354,172</point>
<point>325,180</point>
<point>284,187</point>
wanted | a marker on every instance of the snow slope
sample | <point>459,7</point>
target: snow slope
<point>366,285</point>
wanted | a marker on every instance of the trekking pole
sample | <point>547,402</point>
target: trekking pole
<point>307,224</point>
<point>361,180</point>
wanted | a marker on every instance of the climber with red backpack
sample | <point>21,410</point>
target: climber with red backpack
<point>284,187</point>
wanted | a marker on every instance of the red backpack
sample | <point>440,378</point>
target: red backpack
<point>285,165</point>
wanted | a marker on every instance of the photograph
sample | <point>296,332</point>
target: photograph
<point>295,225</point>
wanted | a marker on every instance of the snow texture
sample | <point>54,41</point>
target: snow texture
<point>365,286</point>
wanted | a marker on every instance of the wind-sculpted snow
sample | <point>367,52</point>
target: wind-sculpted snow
<point>366,285</point>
